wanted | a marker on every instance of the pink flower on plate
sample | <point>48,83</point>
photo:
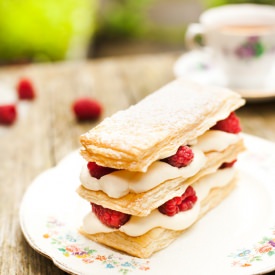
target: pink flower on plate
<point>264,249</point>
<point>101,257</point>
<point>272,242</point>
<point>88,260</point>
<point>73,249</point>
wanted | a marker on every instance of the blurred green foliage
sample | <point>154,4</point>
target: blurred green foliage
<point>36,30</point>
<point>130,19</point>
<point>124,18</point>
<point>41,30</point>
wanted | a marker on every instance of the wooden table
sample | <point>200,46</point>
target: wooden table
<point>49,131</point>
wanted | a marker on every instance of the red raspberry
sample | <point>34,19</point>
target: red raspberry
<point>182,158</point>
<point>87,109</point>
<point>228,164</point>
<point>8,114</point>
<point>98,171</point>
<point>231,124</point>
<point>178,204</point>
<point>109,217</point>
<point>25,89</point>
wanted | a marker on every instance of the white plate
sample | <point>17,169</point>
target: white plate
<point>198,65</point>
<point>237,237</point>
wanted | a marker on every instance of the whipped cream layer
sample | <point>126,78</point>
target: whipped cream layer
<point>119,183</point>
<point>137,226</point>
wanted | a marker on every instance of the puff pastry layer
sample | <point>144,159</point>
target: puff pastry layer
<point>142,204</point>
<point>158,238</point>
<point>150,130</point>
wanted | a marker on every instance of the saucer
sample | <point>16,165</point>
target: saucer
<point>198,65</point>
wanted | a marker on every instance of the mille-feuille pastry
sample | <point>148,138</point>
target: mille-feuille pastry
<point>155,168</point>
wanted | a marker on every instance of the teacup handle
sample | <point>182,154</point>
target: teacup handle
<point>194,36</point>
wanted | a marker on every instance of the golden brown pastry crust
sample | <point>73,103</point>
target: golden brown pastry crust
<point>158,238</point>
<point>143,203</point>
<point>174,115</point>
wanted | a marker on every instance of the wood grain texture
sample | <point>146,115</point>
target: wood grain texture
<point>49,131</point>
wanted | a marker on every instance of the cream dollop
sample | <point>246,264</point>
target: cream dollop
<point>119,183</point>
<point>137,226</point>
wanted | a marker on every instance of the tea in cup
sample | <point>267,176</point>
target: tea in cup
<point>241,39</point>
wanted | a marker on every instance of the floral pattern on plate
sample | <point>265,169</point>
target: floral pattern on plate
<point>247,256</point>
<point>70,244</point>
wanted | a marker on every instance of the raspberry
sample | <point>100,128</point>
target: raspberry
<point>87,109</point>
<point>8,114</point>
<point>228,164</point>
<point>25,89</point>
<point>182,158</point>
<point>179,204</point>
<point>98,171</point>
<point>109,217</point>
<point>231,124</point>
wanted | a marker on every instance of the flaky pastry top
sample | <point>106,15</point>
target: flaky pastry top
<point>154,128</point>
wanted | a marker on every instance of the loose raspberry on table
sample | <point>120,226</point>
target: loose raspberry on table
<point>109,217</point>
<point>231,124</point>
<point>179,204</point>
<point>182,158</point>
<point>228,164</point>
<point>8,114</point>
<point>87,109</point>
<point>25,89</point>
<point>98,171</point>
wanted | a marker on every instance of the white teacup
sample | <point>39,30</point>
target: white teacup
<point>241,38</point>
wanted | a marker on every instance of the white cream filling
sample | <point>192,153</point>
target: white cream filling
<point>137,226</point>
<point>214,140</point>
<point>119,183</point>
